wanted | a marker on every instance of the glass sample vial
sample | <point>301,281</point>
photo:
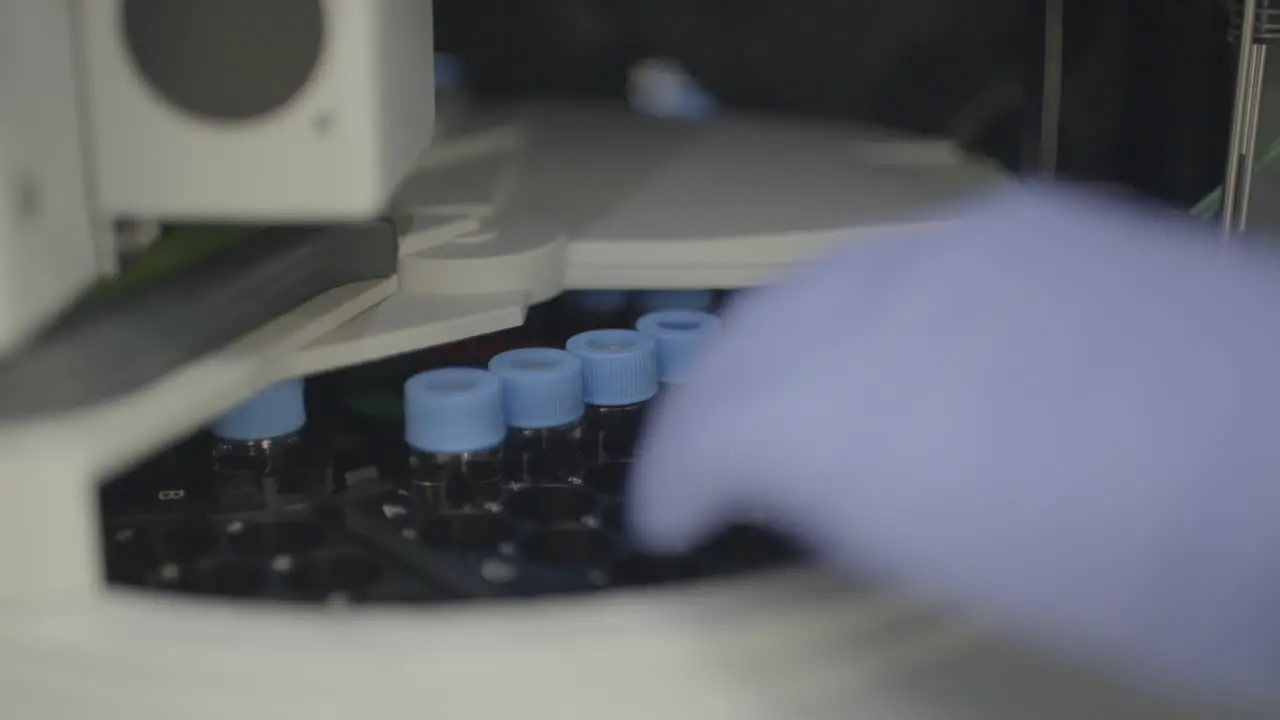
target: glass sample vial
<point>679,335</point>
<point>619,376</point>
<point>543,405</point>
<point>258,456</point>
<point>454,428</point>
<point>656,300</point>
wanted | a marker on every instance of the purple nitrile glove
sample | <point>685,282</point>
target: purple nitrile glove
<point>1059,412</point>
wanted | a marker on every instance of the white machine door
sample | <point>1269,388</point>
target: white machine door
<point>48,253</point>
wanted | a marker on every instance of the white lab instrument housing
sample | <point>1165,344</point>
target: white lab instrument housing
<point>52,245</point>
<point>505,210</point>
<point>316,107</point>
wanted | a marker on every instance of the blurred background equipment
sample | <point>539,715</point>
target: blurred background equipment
<point>1146,85</point>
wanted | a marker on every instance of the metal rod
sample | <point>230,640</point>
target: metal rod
<point>1044,86</point>
<point>1240,117</point>
<point>1249,151</point>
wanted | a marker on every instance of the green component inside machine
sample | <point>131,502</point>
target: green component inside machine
<point>176,248</point>
<point>381,404</point>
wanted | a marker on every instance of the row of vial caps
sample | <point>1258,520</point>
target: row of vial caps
<point>468,410</point>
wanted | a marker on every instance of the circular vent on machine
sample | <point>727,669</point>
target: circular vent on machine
<point>225,60</point>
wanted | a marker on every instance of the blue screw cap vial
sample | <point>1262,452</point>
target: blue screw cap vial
<point>619,367</point>
<point>679,335</point>
<point>664,89</point>
<point>656,300</point>
<point>598,301</point>
<point>541,387</point>
<point>449,73</point>
<point>277,411</point>
<point>453,410</point>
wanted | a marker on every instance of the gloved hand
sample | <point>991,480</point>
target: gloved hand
<point>1059,412</point>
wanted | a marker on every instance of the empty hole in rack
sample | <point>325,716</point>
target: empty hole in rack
<point>322,575</point>
<point>611,518</point>
<point>568,545</point>
<point>330,516</point>
<point>130,555</point>
<point>551,504</point>
<point>467,530</point>
<point>751,545</point>
<point>618,443</point>
<point>552,468</point>
<point>189,541</point>
<point>289,537</point>
<point>609,478</point>
<point>642,569</point>
<point>228,578</point>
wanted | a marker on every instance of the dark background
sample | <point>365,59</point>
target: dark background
<point>1147,84</point>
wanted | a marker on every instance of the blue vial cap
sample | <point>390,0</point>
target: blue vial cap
<point>541,387</point>
<point>666,90</point>
<point>655,300</point>
<point>453,410</point>
<point>619,367</point>
<point>449,75</point>
<point>680,335</point>
<point>276,411</point>
<point>598,301</point>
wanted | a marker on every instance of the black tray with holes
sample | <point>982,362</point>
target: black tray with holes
<point>557,538</point>
<point>290,556</point>
<point>301,550</point>
<point>355,539</point>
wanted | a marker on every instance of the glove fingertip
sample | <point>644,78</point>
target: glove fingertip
<point>659,521</point>
<point>668,511</point>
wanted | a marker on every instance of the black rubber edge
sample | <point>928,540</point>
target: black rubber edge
<point>119,344</point>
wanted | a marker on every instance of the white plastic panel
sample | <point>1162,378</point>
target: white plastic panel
<point>49,250</point>
<point>518,204</point>
<point>334,151</point>
<point>614,177</point>
<point>788,647</point>
<point>405,322</point>
<point>720,204</point>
